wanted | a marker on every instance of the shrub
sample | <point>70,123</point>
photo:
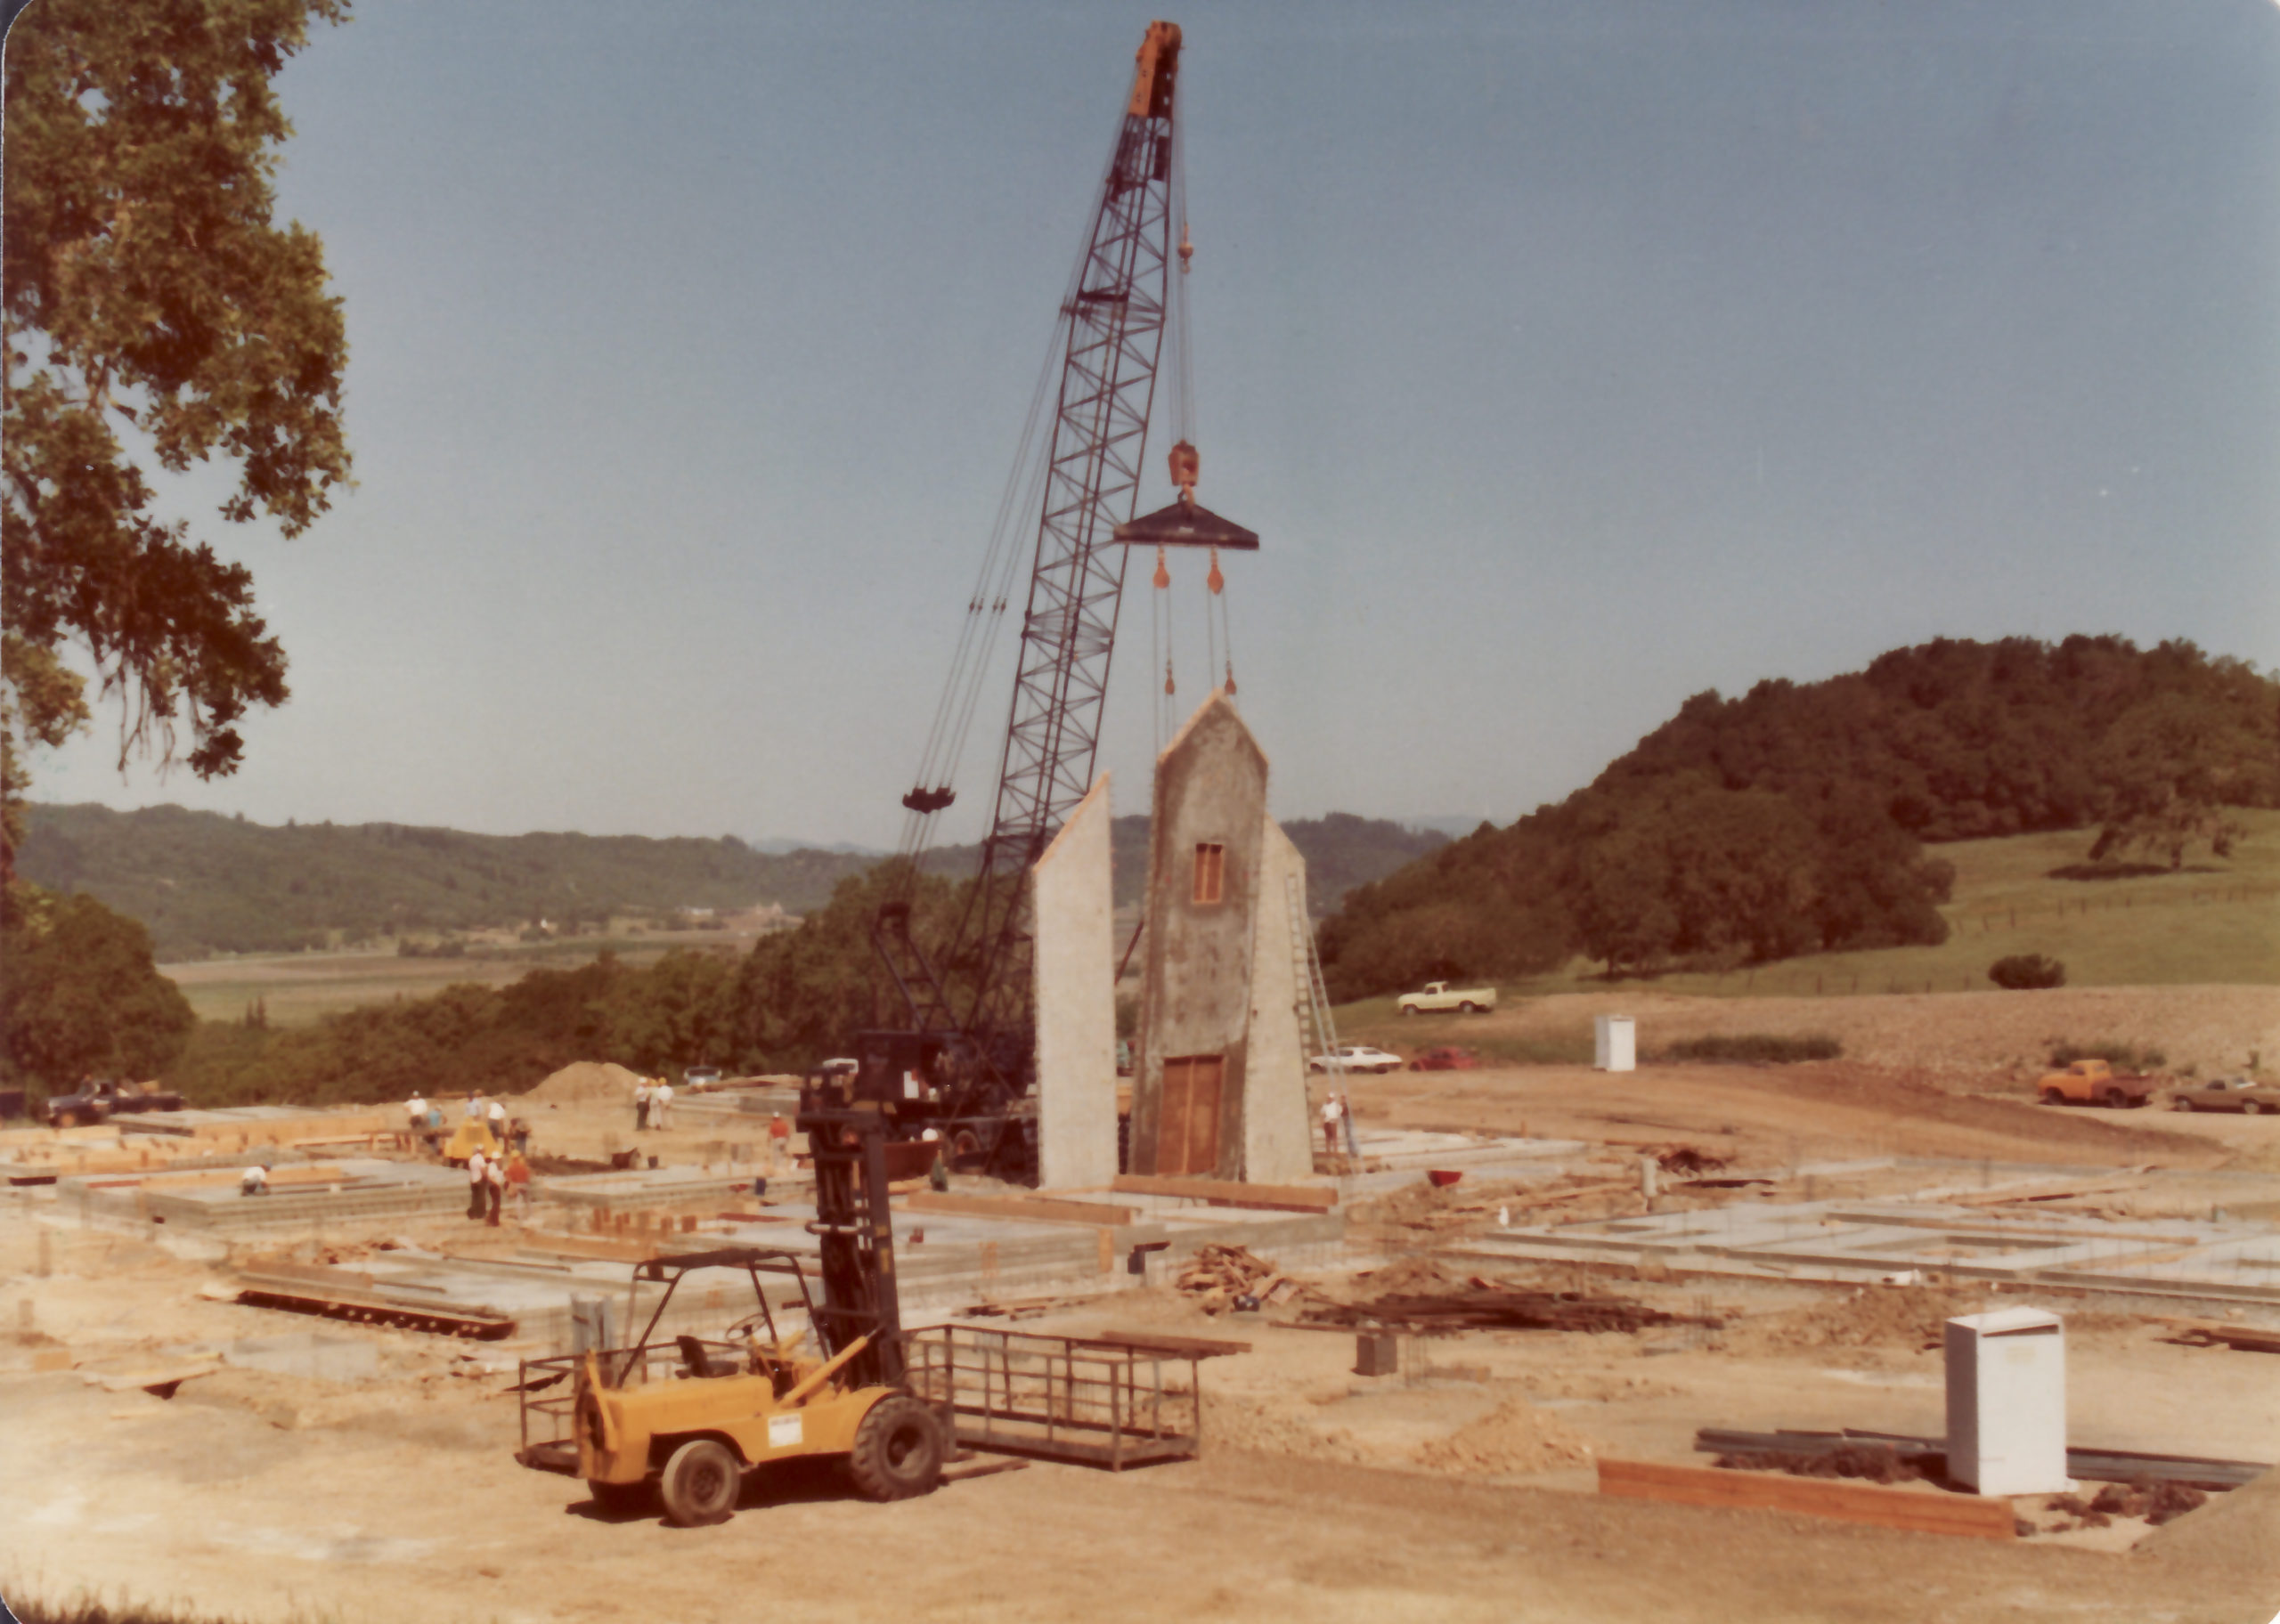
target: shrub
<point>2024,971</point>
<point>1762,1047</point>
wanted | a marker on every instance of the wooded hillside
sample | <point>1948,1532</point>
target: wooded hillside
<point>202,883</point>
<point>1794,820</point>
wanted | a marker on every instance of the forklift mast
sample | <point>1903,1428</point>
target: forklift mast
<point>848,1118</point>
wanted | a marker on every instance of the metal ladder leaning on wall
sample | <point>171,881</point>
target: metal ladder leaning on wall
<point>1314,998</point>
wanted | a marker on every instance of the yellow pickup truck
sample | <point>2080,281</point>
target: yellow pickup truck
<point>2094,1083</point>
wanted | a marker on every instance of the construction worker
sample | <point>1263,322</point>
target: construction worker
<point>494,1187</point>
<point>779,1140</point>
<point>256,1181</point>
<point>475,1173</point>
<point>660,1104</point>
<point>518,1184</point>
<point>641,1098</point>
<point>1330,1116</point>
<point>415,1118</point>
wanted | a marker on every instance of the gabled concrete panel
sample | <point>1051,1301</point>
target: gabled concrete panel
<point>1075,976</point>
<point>1210,791</point>
<point>1278,1136</point>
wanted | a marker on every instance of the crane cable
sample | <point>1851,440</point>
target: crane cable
<point>1022,494</point>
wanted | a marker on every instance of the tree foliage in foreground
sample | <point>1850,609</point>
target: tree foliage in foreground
<point>145,291</point>
<point>1792,820</point>
<point>80,994</point>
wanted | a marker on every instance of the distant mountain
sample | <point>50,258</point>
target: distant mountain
<point>1456,825</point>
<point>776,845</point>
<point>204,884</point>
<point>1341,851</point>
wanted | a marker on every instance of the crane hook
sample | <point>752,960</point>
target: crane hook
<point>1216,581</point>
<point>1186,249</point>
<point>1168,676</point>
<point>1231,678</point>
<point>1163,573</point>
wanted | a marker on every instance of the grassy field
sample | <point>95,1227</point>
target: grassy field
<point>298,988</point>
<point>2215,923</point>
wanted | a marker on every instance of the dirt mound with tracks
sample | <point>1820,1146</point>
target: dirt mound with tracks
<point>587,1082</point>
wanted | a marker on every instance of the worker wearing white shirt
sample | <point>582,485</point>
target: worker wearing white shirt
<point>660,1103</point>
<point>477,1174</point>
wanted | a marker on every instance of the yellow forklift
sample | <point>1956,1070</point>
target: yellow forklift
<point>685,1419</point>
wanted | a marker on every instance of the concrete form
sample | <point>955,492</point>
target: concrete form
<point>1219,1089</point>
<point>1074,960</point>
<point>1278,1134</point>
<point>1856,1242</point>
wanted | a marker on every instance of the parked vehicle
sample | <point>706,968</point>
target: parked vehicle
<point>2094,1083</point>
<point>2245,1095</point>
<point>98,1101</point>
<point>1446,1059</point>
<point>1356,1057</point>
<point>697,1079</point>
<point>1440,998</point>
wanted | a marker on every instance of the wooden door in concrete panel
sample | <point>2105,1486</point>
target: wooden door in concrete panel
<point>1188,1139</point>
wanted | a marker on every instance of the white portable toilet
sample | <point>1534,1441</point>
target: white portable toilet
<point>2006,1401</point>
<point>1614,1043</point>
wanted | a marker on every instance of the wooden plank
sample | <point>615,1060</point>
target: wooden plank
<point>1225,1192</point>
<point>580,1246</point>
<point>1036,1209</point>
<point>1919,1511</point>
<point>1185,1347</point>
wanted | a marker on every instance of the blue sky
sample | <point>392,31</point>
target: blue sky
<point>1570,358</point>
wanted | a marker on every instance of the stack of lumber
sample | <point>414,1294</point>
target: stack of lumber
<point>1218,1277</point>
<point>1480,1305</point>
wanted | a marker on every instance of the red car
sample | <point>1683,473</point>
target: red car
<point>1446,1059</point>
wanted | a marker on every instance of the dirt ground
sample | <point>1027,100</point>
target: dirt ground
<point>1461,1489</point>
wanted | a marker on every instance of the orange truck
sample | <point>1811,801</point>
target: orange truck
<point>2094,1083</point>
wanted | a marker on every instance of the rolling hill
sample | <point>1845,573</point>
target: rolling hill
<point>204,884</point>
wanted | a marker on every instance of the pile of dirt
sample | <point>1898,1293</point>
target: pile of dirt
<point>1897,1317</point>
<point>587,1082</point>
<point>1515,1437</point>
<point>1283,1427</point>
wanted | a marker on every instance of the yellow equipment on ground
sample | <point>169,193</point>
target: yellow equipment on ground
<point>687,1419</point>
<point>474,1134</point>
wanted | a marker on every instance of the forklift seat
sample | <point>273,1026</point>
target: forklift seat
<point>693,1355</point>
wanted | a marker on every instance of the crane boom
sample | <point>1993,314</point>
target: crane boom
<point>1111,338</point>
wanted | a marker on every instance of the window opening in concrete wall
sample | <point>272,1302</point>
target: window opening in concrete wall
<point>1210,872</point>
<point>1188,1141</point>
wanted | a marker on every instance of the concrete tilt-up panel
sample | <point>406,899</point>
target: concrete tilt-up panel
<point>1203,895</point>
<point>1074,968</point>
<point>1278,1134</point>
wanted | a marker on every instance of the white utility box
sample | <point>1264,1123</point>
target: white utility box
<point>2006,1401</point>
<point>1614,1043</point>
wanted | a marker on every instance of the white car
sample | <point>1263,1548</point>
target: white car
<point>1356,1057</point>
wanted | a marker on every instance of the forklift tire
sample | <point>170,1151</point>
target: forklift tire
<point>701,1483</point>
<point>898,1453</point>
<point>621,1499</point>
